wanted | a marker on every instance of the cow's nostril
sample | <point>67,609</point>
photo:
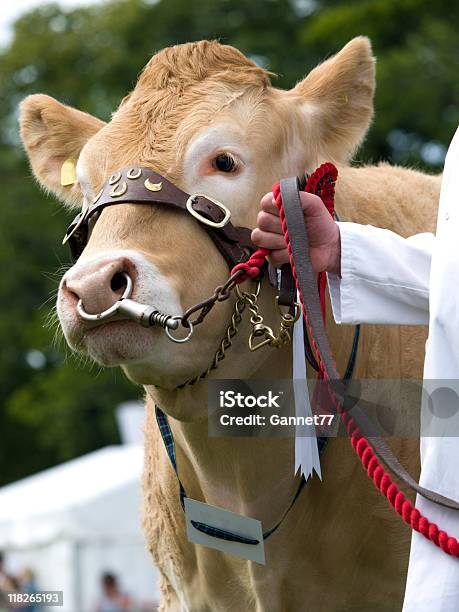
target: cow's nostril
<point>118,283</point>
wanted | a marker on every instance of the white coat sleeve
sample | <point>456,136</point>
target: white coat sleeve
<point>384,277</point>
<point>433,576</point>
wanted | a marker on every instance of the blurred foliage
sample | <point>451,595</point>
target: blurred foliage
<point>52,406</point>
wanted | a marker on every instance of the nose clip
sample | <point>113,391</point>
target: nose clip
<point>147,316</point>
<point>143,314</point>
<point>110,312</point>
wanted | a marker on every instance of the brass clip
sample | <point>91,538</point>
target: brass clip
<point>263,335</point>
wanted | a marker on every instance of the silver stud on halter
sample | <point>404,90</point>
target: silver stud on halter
<point>146,316</point>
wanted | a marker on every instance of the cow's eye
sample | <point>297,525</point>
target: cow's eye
<point>224,162</point>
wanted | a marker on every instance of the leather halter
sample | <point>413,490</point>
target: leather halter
<point>142,185</point>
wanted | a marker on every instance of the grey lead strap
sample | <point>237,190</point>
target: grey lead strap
<point>308,286</point>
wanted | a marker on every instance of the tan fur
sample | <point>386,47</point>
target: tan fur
<point>339,99</point>
<point>341,547</point>
<point>52,133</point>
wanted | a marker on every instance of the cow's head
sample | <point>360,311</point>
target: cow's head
<point>207,118</point>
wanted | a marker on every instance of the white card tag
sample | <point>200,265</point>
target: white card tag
<point>229,521</point>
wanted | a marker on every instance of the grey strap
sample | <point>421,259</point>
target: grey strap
<point>308,286</point>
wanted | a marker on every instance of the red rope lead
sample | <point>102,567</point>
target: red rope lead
<point>321,182</point>
<point>252,267</point>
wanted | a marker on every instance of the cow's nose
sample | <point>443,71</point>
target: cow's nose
<point>98,283</point>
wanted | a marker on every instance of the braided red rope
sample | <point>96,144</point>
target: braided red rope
<point>322,182</point>
<point>252,267</point>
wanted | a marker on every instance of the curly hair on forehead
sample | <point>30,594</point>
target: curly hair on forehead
<point>181,89</point>
<point>182,66</point>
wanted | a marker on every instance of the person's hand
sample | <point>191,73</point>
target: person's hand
<point>323,233</point>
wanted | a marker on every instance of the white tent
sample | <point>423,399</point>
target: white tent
<point>75,521</point>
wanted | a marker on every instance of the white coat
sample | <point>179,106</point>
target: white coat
<point>391,280</point>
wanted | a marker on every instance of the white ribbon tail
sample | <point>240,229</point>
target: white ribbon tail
<point>307,457</point>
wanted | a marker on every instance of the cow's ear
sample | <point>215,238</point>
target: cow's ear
<point>336,99</point>
<point>53,133</point>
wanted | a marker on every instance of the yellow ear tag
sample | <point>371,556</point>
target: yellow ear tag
<point>68,173</point>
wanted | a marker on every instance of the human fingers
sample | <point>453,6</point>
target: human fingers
<point>269,222</point>
<point>268,240</point>
<point>279,257</point>
<point>268,205</point>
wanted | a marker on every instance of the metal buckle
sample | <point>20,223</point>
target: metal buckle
<point>200,218</point>
<point>79,219</point>
<point>74,226</point>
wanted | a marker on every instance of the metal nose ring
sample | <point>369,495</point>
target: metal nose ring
<point>106,314</point>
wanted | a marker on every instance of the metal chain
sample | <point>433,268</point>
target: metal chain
<point>202,309</point>
<point>225,344</point>
<point>263,335</point>
<point>259,329</point>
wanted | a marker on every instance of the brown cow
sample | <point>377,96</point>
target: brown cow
<point>341,547</point>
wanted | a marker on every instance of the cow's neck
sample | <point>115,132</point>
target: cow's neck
<point>386,193</point>
<point>251,476</point>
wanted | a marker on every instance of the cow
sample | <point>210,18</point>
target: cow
<point>209,120</point>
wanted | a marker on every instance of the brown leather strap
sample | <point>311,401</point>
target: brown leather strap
<point>142,185</point>
<point>287,288</point>
<point>308,285</point>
